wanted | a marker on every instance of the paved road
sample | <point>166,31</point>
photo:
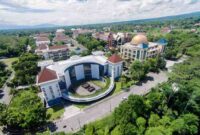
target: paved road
<point>76,44</point>
<point>6,97</point>
<point>170,63</point>
<point>106,106</point>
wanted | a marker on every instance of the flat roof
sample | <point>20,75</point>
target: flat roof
<point>61,66</point>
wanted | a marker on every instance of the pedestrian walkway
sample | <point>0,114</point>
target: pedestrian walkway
<point>71,111</point>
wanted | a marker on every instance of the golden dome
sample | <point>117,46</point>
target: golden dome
<point>139,39</point>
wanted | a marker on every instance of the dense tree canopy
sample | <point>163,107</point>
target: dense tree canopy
<point>90,42</point>
<point>4,73</point>
<point>25,69</point>
<point>25,111</point>
<point>12,46</point>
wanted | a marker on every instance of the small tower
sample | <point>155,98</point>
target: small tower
<point>115,63</point>
<point>110,40</point>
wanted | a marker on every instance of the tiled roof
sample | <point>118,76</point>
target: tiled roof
<point>42,47</point>
<point>42,39</point>
<point>115,58</point>
<point>57,47</point>
<point>46,75</point>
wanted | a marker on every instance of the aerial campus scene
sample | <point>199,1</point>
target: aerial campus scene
<point>99,67</point>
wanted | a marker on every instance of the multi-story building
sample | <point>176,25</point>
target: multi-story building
<point>113,39</point>
<point>77,32</point>
<point>56,79</point>
<point>140,49</point>
<point>61,37</point>
<point>42,40</point>
<point>53,52</point>
<point>121,38</point>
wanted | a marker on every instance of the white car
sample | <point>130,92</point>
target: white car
<point>124,98</point>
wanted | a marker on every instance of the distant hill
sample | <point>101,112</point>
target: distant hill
<point>182,16</point>
<point>165,18</point>
<point>8,26</point>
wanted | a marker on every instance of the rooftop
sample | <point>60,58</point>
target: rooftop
<point>139,39</point>
<point>46,75</point>
<point>115,58</point>
<point>42,39</point>
<point>58,47</point>
<point>61,66</point>
<point>42,47</point>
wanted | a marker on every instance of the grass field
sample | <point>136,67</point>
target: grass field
<point>118,87</point>
<point>55,112</point>
<point>99,83</point>
<point>9,61</point>
<point>83,105</point>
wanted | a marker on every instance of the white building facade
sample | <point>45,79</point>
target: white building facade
<point>42,40</point>
<point>58,77</point>
<point>140,49</point>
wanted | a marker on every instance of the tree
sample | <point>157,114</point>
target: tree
<point>3,113</point>
<point>153,120</point>
<point>89,130</point>
<point>26,69</point>
<point>2,66</point>
<point>26,111</point>
<point>161,63</point>
<point>160,130</point>
<point>137,70</point>
<point>153,65</point>
<point>191,124</point>
<point>129,110</point>
<point>141,124</point>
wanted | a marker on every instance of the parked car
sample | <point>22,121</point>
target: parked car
<point>86,85</point>
<point>91,89</point>
<point>124,98</point>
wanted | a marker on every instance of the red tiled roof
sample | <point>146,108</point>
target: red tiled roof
<point>115,58</point>
<point>42,47</point>
<point>58,47</point>
<point>60,38</point>
<point>42,39</point>
<point>46,75</point>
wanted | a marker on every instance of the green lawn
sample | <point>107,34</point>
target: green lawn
<point>55,112</point>
<point>118,87</point>
<point>9,61</point>
<point>81,106</point>
<point>99,83</point>
<point>96,92</point>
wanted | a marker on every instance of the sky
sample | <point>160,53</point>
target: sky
<point>78,12</point>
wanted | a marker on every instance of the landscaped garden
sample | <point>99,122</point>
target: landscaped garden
<point>55,112</point>
<point>9,61</point>
<point>90,88</point>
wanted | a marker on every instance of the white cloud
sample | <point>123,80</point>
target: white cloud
<point>69,12</point>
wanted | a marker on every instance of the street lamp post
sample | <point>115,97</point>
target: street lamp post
<point>110,106</point>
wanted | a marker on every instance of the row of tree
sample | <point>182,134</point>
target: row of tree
<point>4,73</point>
<point>91,43</point>
<point>139,69</point>
<point>13,46</point>
<point>25,69</point>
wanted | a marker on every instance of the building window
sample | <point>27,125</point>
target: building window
<point>45,94</point>
<point>52,93</point>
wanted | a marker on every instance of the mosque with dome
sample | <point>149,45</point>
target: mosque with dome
<point>140,48</point>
